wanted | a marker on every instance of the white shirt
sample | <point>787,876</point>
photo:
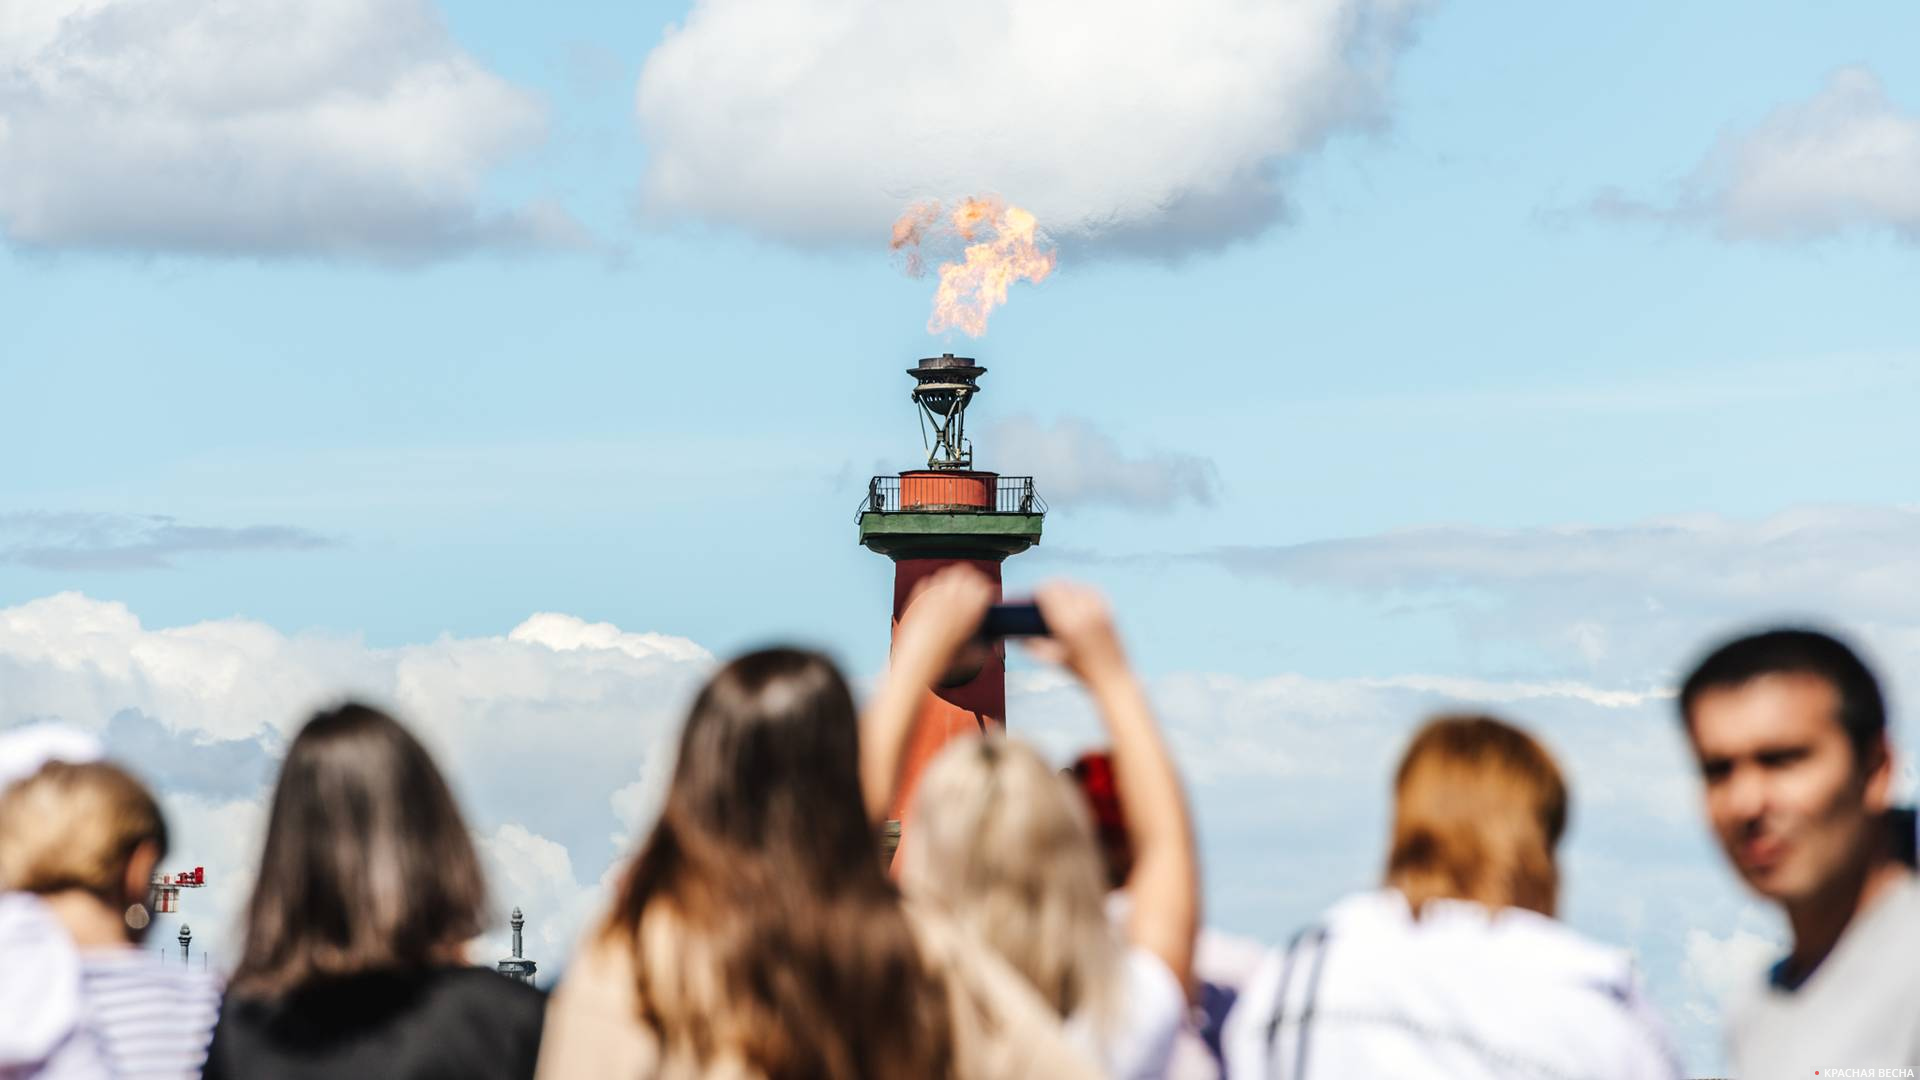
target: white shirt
<point>1860,1009</point>
<point>40,1014</point>
<point>1221,961</point>
<point>1136,1042</point>
<point>1460,992</point>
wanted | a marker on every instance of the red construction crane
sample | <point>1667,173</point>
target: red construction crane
<point>166,888</point>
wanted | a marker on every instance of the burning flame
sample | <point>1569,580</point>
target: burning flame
<point>1003,245</point>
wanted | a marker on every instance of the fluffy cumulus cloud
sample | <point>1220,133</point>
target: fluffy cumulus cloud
<point>1847,158</point>
<point>1331,742</point>
<point>87,541</point>
<point>1637,599</point>
<point>1149,127</point>
<point>265,127</point>
<point>544,732</point>
<point>1084,466</point>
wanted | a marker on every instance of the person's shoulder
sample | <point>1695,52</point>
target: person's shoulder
<point>106,970</point>
<point>1154,1008</point>
<point>478,979</point>
<point>599,983</point>
<point>1372,912</point>
<point>592,1025</point>
<point>1226,960</point>
<point>1891,928</point>
<point>602,967</point>
<point>1520,944</point>
<point>1904,900</point>
<point>1151,985</point>
<point>486,984</point>
<point>43,1010</point>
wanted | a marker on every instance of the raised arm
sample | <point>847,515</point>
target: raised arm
<point>1164,886</point>
<point>939,622</point>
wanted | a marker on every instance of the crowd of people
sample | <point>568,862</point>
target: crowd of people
<point>1033,923</point>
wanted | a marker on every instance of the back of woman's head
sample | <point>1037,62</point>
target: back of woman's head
<point>769,761</point>
<point>76,826</point>
<point>368,865</point>
<point>1479,807</point>
<point>764,930</point>
<point>1006,845</point>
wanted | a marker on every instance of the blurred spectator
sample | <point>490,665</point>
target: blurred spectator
<point>756,933</point>
<point>84,837</point>
<point>368,889</point>
<point>42,1036</point>
<point>1457,967</point>
<point>1005,844</point>
<point>1222,963</point>
<point>1790,731</point>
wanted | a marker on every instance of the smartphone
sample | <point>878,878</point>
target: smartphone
<point>1013,620</point>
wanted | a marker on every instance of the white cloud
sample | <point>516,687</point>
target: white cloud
<point>1637,600</point>
<point>567,633</point>
<point>537,730</point>
<point>266,127</point>
<point>224,837</point>
<point>88,541</point>
<point>1847,158</point>
<point>523,870</point>
<point>535,874</point>
<point>1143,126</point>
<point>636,804</point>
<point>1080,465</point>
<point>1334,741</point>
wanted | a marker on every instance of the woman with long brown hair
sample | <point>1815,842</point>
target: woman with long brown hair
<point>1457,966</point>
<point>756,933</point>
<point>369,888</point>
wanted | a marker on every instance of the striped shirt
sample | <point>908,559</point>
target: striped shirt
<point>154,1019</point>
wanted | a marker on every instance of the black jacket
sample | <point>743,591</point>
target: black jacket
<point>442,1024</point>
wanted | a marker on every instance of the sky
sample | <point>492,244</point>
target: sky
<point>513,366</point>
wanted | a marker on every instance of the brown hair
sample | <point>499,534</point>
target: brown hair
<point>1479,807</point>
<point>764,931</point>
<point>368,865</point>
<point>76,826</point>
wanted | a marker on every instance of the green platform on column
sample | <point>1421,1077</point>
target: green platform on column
<point>911,535</point>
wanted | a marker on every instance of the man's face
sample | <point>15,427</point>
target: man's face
<point>1793,807</point>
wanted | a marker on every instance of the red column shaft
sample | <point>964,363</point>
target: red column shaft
<point>948,712</point>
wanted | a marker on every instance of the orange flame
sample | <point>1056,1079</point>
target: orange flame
<point>1003,245</point>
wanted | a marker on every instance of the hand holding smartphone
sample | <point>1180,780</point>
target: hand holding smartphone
<point>1013,620</point>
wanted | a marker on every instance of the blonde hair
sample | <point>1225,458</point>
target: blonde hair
<point>1005,844</point>
<point>1479,807</point>
<point>76,826</point>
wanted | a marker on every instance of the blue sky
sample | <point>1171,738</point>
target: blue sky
<point>1615,432</point>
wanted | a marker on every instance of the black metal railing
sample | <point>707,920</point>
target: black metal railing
<point>1011,495</point>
